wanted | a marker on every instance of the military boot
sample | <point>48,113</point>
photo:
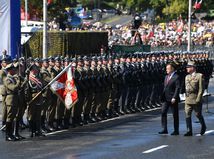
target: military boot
<point>189,127</point>
<point>17,135</point>
<point>9,132</point>
<point>203,125</point>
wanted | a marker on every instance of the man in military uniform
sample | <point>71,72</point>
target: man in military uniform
<point>100,107</point>
<point>94,87</point>
<point>194,91</point>
<point>11,84</point>
<point>22,105</point>
<point>78,107</point>
<point>53,104</point>
<point>88,91</point>
<point>33,87</point>
<point>60,108</point>
<point>46,77</point>
<point>3,75</point>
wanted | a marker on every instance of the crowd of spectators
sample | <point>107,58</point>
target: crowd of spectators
<point>173,33</point>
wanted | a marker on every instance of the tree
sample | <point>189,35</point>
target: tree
<point>176,8</point>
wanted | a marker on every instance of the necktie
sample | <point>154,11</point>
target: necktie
<point>168,78</point>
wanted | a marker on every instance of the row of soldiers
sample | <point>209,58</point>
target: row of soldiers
<point>107,86</point>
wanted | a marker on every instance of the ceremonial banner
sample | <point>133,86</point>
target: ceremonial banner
<point>64,87</point>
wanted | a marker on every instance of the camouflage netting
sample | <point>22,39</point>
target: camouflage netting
<point>67,43</point>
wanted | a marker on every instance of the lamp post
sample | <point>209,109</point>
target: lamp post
<point>189,26</point>
<point>26,12</point>
<point>44,53</point>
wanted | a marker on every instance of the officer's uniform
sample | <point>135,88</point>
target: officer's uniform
<point>33,87</point>
<point>194,91</point>
<point>46,78</point>
<point>78,107</point>
<point>3,75</point>
<point>12,84</point>
<point>88,93</point>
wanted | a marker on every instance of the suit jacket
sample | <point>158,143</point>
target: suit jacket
<point>171,89</point>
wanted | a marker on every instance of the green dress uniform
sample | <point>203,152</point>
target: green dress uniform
<point>60,107</point>
<point>53,102</point>
<point>194,92</point>
<point>34,107</point>
<point>3,75</point>
<point>46,77</point>
<point>12,85</point>
<point>88,94</point>
<point>78,107</point>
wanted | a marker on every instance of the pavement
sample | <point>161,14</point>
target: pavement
<point>121,20</point>
<point>133,136</point>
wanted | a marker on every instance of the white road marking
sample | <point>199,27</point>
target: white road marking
<point>55,132</point>
<point>155,149</point>
<point>206,133</point>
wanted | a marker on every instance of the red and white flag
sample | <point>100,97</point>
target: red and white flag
<point>180,27</point>
<point>64,87</point>
<point>197,5</point>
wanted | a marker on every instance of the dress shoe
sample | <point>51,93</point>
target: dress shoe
<point>121,113</point>
<point>203,130</point>
<point>39,134</point>
<point>189,133</point>
<point>163,132</point>
<point>11,138</point>
<point>175,133</point>
<point>19,137</point>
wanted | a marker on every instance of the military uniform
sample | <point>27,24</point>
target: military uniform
<point>11,84</point>
<point>3,75</point>
<point>46,78</point>
<point>33,87</point>
<point>194,90</point>
<point>88,93</point>
<point>78,107</point>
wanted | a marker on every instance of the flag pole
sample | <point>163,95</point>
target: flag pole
<point>189,26</point>
<point>50,83</point>
<point>26,13</point>
<point>44,29</point>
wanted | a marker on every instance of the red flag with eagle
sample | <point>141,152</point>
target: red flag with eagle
<point>64,87</point>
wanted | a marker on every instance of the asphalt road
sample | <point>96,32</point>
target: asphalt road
<point>122,20</point>
<point>133,136</point>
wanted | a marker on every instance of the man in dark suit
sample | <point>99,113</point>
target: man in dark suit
<point>170,99</point>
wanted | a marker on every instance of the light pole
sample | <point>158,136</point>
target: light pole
<point>44,53</point>
<point>26,12</point>
<point>189,26</point>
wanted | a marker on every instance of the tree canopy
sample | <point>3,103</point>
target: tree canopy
<point>163,8</point>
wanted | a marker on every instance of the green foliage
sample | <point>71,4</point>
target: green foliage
<point>175,8</point>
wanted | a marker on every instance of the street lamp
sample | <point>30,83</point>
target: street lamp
<point>189,26</point>
<point>26,13</point>
<point>44,52</point>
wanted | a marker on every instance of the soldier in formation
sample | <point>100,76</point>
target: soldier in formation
<point>107,86</point>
